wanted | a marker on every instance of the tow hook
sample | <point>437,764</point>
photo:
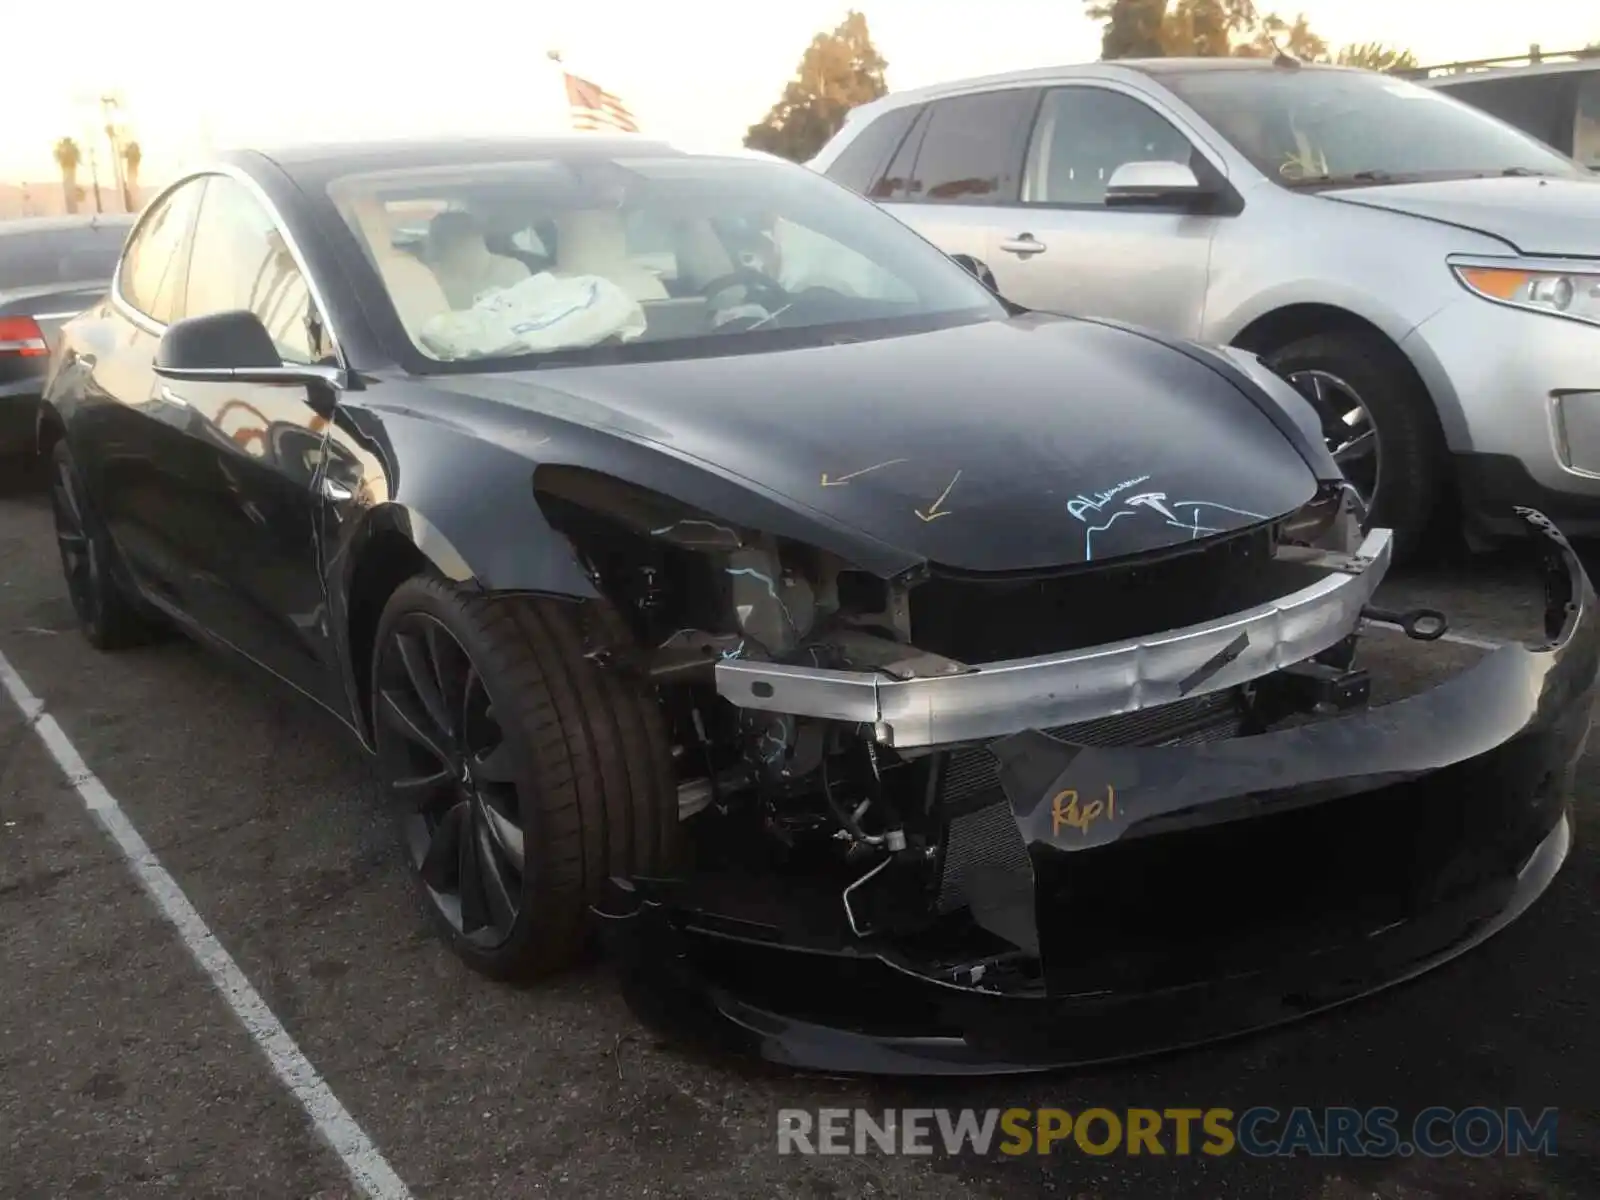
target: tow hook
<point>1419,624</point>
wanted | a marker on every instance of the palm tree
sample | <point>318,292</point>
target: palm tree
<point>132,156</point>
<point>68,156</point>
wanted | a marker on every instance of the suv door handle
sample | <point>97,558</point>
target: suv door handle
<point>1023,245</point>
<point>171,397</point>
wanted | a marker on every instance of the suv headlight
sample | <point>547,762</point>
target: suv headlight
<point>1548,287</point>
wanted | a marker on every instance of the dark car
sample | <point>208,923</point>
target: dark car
<point>50,268</point>
<point>898,680</point>
<point>1557,102</point>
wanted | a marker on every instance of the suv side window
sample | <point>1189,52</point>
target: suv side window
<point>895,183</point>
<point>858,163</point>
<point>972,150</point>
<point>1586,125</point>
<point>154,262</point>
<point>241,261</point>
<point>1541,105</point>
<point>1084,134</point>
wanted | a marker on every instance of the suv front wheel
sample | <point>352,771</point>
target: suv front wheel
<point>1378,423</point>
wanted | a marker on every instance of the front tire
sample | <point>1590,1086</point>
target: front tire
<point>1379,423</point>
<point>108,617</point>
<point>522,773</point>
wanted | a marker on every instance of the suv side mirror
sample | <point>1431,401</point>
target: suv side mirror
<point>232,347</point>
<point>1156,183</point>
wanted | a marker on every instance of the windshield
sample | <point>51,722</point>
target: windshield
<point>1313,125</point>
<point>666,254</point>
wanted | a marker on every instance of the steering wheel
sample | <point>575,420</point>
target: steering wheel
<point>759,287</point>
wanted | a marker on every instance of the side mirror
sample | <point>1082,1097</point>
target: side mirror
<point>978,271</point>
<point>1157,183</point>
<point>232,347</point>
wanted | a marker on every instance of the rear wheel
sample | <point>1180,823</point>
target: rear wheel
<point>1378,423</point>
<point>521,773</point>
<point>109,618</point>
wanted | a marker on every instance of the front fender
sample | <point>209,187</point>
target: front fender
<point>464,502</point>
<point>464,492</point>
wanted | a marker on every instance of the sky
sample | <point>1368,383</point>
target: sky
<point>193,75</point>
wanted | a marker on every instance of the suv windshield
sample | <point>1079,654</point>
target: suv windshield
<point>614,258</point>
<point>1317,125</point>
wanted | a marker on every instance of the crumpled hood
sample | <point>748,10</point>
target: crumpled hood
<point>1547,217</point>
<point>999,446</point>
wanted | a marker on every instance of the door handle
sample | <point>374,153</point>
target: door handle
<point>335,491</point>
<point>1023,245</point>
<point>171,397</point>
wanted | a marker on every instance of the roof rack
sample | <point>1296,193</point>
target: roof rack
<point>1533,58</point>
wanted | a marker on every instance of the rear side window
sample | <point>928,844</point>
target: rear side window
<point>972,150</point>
<point>153,266</point>
<point>87,254</point>
<point>858,164</point>
<point>896,183</point>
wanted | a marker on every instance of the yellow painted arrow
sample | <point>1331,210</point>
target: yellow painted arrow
<point>826,482</point>
<point>934,510</point>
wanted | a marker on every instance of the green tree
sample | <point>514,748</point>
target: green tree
<point>1207,28</point>
<point>68,157</point>
<point>1375,56</point>
<point>1133,28</point>
<point>1272,33</point>
<point>838,71</point>
<point>1218,28</point>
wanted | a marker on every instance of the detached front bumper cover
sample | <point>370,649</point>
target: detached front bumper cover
<point>1480,766</point>
<point>1053,690</point>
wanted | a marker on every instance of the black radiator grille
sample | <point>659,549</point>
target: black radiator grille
<point>983,834</point>
<point>990,618</point>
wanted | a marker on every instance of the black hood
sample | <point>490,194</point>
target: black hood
<point>998,446</point>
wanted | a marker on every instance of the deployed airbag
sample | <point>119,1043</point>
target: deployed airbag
<point>542,313</point>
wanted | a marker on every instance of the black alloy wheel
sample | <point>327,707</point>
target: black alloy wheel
<point>448,764</point>
<point>523,773</point>
<point>108,619</point>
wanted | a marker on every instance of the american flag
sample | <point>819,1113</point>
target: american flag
<point>594,109</point>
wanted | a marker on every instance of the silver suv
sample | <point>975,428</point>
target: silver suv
<point>1428,276</point>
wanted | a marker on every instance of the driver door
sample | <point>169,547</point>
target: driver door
<point>1062,249</point>
<point>251,465</point>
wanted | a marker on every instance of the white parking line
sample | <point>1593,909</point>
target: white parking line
<point>367,1167</point>
<point>1460,639</point>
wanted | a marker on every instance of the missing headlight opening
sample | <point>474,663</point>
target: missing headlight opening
<point>926,765</point>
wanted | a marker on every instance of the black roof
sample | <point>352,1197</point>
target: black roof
<point>26,225</point>
<point>322,162</point>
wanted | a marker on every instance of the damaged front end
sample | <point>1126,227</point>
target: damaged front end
<point>956,824</point>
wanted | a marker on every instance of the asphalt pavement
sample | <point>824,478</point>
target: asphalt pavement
<point>127,1071</point>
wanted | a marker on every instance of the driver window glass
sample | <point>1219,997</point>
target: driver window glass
<point>152,265</point>
<point>241,261</point>
<point>1084,134</point>
<point>1586,132</point>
